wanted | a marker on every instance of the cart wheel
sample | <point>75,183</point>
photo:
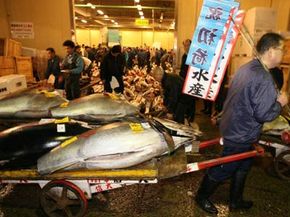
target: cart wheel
<point>61,198</point>
<point>282,165</point>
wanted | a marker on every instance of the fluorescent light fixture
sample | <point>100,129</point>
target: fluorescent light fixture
<point>100,12</point>
<point>139,7</point>
<point>137,1</point>
<point>141,13</point>
<point>106,16</point>
<point>84,21</point>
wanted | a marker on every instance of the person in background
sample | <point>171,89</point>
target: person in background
<point>91,55</point>
<point>53,67</point>
<point>73,66</point>
<point>88,64</point>
<point>183,67</point>
<point>252,100</point>
<point>183,72</point>
<point>113,64</point>
<point>175,101</point>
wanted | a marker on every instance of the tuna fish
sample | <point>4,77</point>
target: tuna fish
<point>21,146</point>
<point>29,104</point>
<point>96,107</point>
<point>113,146</point>
<point>276,126</point>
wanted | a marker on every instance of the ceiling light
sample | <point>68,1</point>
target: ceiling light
<point>116,23</point>
<point>112,21</point>
<point>141,13</point>
<point>76,18</point>
<point>142,17</point>
<point>139,7</point>
<point>106,16</point>
<point>137,1</point>
<point>84,21</point>
<point>89,4</point>
<point>100,12</point>
<point>93,7</point>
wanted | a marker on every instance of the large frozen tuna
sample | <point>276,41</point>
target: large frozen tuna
<point>21,146</point>
<point>30,103</point>
<point>277,126</point>
<point>96,107</point>
<point>116,145</point>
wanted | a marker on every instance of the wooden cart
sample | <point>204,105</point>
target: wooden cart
<point>66,193</point>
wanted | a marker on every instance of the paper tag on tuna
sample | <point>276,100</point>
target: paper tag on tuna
<point>113,96</point>
<point>61,128</point>
<point>61,121</point>
<point>49,94</point>
<point>69,141</point>
<point>145,125</point>
<point>65,143</point>
<point>136,127</point>
<point>63,105</point>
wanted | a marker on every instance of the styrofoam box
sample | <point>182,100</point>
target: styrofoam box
<point>15,82</point>
<point>3,87</point>
<point>260,18</point>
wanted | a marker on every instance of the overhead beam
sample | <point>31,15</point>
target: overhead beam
<point>125,7</point>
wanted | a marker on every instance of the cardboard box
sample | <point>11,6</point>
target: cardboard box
<point>258,21</point>
<point>24,67</point>
<point>7,65</point>
<point>10,47</point>
<point>286,57</point>
<point>260,18</point>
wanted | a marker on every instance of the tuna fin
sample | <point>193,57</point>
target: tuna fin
<point>169,141</point>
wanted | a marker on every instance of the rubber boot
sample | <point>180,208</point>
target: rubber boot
<point>206,189</point>
<point>236,192</point>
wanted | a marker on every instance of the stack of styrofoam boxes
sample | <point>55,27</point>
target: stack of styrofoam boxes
<point>12,83</point>
<point>258,21</point>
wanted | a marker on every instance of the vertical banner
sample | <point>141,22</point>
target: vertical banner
<point>226,54</point>
<point>207,46</point>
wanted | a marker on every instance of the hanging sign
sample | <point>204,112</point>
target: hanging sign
<point>23,30</point>
<point>142,22</point>
<point>208,47</point>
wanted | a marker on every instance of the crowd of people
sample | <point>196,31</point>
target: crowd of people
<point>115,62</point>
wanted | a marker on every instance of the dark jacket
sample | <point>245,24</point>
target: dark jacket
<point>250,102</point>
<point>112,65</point>
<point>183,67</point>
<point>52,67</point>
<point>172,86</point>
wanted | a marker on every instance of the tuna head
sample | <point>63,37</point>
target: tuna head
<point>112,146</point>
